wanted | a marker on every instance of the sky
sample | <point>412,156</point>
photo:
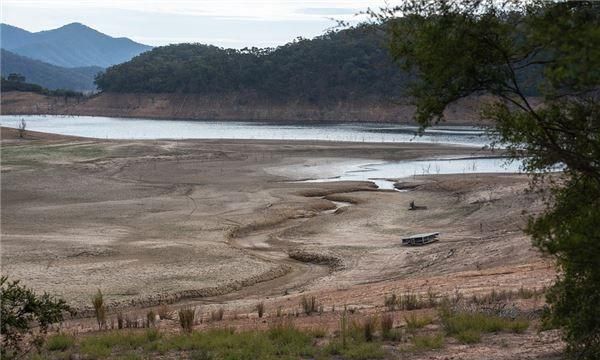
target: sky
<point>225,23</point>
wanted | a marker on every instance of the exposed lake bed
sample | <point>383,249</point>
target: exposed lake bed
<point>213,220</point>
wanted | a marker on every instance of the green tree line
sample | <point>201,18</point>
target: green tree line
<point>342,65</point>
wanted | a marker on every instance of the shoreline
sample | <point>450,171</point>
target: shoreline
<point>230,108</point>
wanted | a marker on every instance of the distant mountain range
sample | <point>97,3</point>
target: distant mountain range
<point>47,75</point>
<point>73,45</point>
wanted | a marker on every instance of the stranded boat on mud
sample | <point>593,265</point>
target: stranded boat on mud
<point>420,239</point>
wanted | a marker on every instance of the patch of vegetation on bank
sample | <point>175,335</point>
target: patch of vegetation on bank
<point>36,154</point>
<point>280,341</point>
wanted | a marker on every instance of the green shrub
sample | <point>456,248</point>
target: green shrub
<point>24,314</point>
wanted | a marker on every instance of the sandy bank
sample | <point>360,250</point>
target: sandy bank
<point>193,106</point>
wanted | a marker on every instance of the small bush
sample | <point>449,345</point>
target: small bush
<point>99,309</point>
<point>186,319</point>
<point>59,342</point>
<point>428,342</point>
<point>260,309</point>
<point>25,315</point>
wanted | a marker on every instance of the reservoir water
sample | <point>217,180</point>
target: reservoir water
<point>383,174</point>
<point>130,128</point>
<point>379,173</point>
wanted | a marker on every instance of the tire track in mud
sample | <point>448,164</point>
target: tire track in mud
<point>266,244</point>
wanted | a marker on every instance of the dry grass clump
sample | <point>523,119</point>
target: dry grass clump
<point>408,301</point>
<point>150,318</point>
<point>120,320</point>
<point>99,309</point>
<point>390,302</point>
<point>413,322</point>
<point>260,309</point>
<point>504,295</point>
<point>186,319</point>
<point>164,313</point>
<point>387,324</point>
<point>369,325</point>
<point>217,315</point>
<point>309,305</point>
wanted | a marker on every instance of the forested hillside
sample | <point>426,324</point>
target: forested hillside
<point>345,65</point>
<point>48,75</point>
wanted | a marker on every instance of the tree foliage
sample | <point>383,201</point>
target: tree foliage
<point>460,47</point>
<point>25,314</point>
<point>348,64</point>
<point>16,82</point>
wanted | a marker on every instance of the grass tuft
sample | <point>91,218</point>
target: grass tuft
<point>186,319</point>
<point>99,309</point>
<point>60,342</point>
<point>428,342</point>
<point>309,305</point>
<point>260,309</point>
<point>468,327</point>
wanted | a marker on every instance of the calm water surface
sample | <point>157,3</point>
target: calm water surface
<point>383,173</point>
<point>120,128</point>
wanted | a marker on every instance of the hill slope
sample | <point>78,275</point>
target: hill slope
<point>346,65</point>
<point>73,45</point>
<point>48,75</point>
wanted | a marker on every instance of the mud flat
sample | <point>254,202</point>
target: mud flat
<point>212,222</point>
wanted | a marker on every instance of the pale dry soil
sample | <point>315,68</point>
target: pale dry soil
<point>212,223</point>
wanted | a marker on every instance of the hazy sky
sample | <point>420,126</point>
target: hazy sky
<point>227,23</point>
